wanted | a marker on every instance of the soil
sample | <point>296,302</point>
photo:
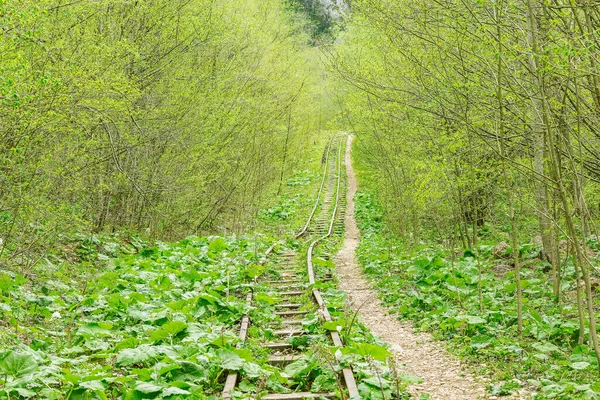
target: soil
<point>444,377</point>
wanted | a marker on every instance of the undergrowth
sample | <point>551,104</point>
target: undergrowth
<point>437,288</point>
<point>115,316</point>
<point>158,322</point>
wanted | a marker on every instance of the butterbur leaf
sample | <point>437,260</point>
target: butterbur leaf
<point>168,330</point>
<point>265,298</point>
<point>246,354</point>
<point>149,252</point>
<point>127,343</point>
<point>24,392</point>
<point>421,263</point>
<point>437,262</point>
<point>164,368</point>
<point>252,370</point>
<point>217,245</point>
<point>17,365</point>
<point>172,391</point>
<point>298,368</point>
<point>480,342</point>
<point>206,298</point>
<point>545,347</point>
<point>188,370</point>
<point>336,325</point>
<point>372,392</point>
<point>96,345</point>
<point>147,387</point>
<point>409,378</point>
<point>380,383</point>
<point>162,282</point>
<point>6,283</point>
<point>580,365</point>
<point>230,360</point>
<point>255,270</point>
<point>95,329</point>
<point>536,316</point>
<point>138,314</point>
<point>368,350</point>
<point>320,262</point>
<point>324,383</point>
<point>583,355</point>
<point>470,274</point>
<point>74,350</point>
<point>474,320</point>
<point>275,383</point>
<point>135,355</point>
<point>143,374</point>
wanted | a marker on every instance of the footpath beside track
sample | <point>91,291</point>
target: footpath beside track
<point>296,331</point>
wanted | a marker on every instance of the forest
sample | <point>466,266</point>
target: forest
<point>175,192</point>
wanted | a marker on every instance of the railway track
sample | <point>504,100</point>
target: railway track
<point>295,340</point>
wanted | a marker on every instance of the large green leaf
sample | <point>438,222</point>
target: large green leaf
<point>26,393</point>
<point>252,370</point>
<point>298,368</point>
<point>368,350</point>
<point>474,320</point>
<point>173,391</point>
<point>255,270</point>
<point>147,387</point>
<point>6,283</point>
<point>17,364</point>
<point>546,347</point>
<point>168,330</point>
<point>217,245</point>
<point>580,365</point>
<point>136,355</point>
<point>337,324</point>
<point>409,378</point>
<point>481,342</point>
<point>324,383</point>
<point>378,382</point>
<point>95,329</point>
<point>229,359</point>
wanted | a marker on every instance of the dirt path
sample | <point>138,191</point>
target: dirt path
<point>444,377</point>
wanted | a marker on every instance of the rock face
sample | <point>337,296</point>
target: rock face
<point>501,269</point>
<point>537,240</point>
<point>500,250</point>
<point>333,9</point>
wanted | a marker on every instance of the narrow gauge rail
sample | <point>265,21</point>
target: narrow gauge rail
<point>296,291</point>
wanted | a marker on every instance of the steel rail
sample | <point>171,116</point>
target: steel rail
<point>232,376</point>
<point>335,336</point>
<point>328,171</point>
<point>318,200</point>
